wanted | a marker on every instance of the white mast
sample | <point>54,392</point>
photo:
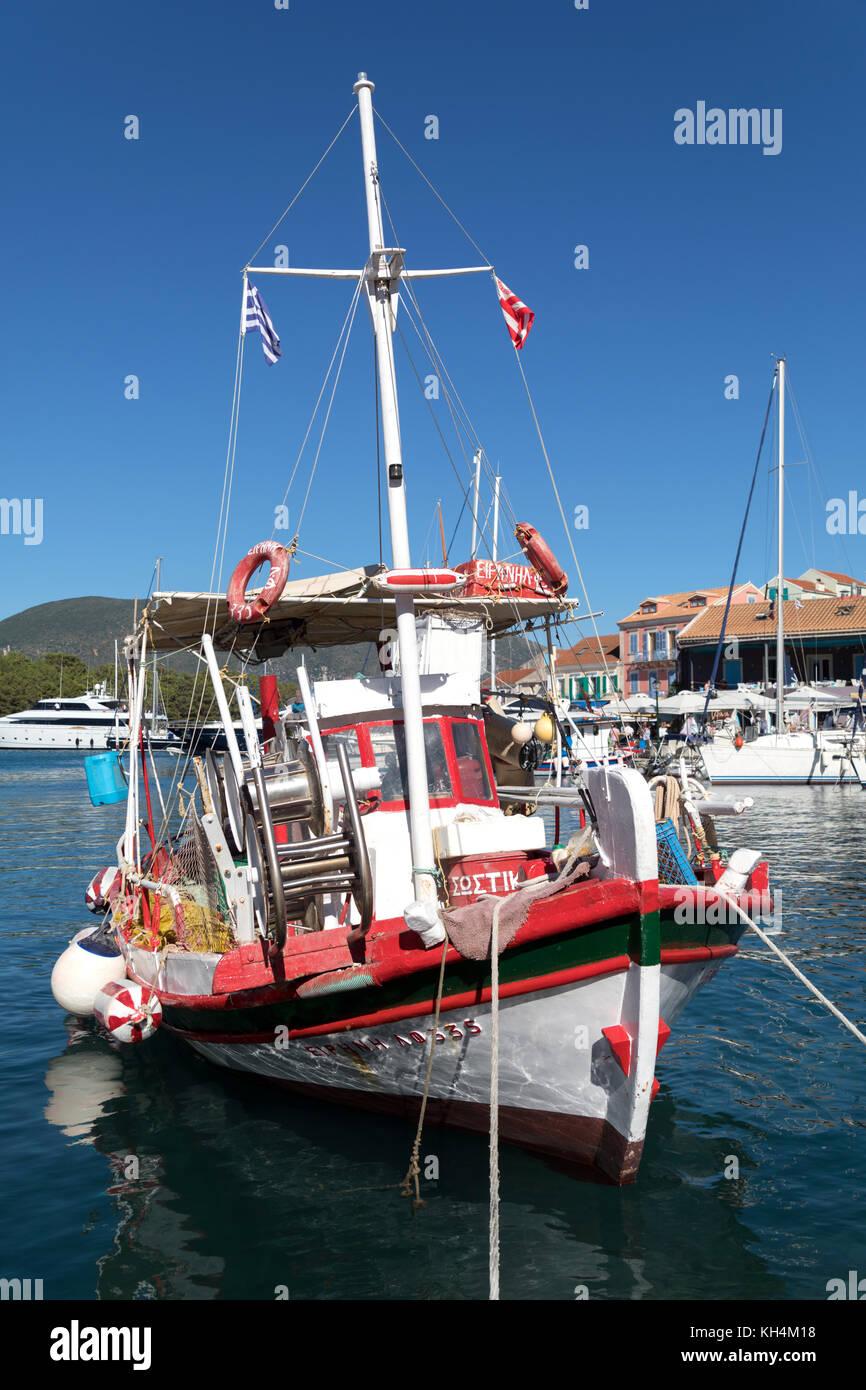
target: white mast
<point>155,693</point>
<point>495,557</point>
<point>476,489</point>
<point>382,285</point>
<point>780,621</point>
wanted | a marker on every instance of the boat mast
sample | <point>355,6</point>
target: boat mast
<point>780,620</point>
<point>495,557</point>
<point>155,694</point>
<point>382,286</point>
<point>476,491</point>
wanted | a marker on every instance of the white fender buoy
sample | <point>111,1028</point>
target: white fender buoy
<point>128,1011</point>
<point>521,733</point>
<point>82,970</point>
<point>102,888</point>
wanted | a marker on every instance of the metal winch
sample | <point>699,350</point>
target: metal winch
<point>287,877</point>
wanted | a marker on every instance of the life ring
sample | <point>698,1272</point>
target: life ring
<point>236,595</point>
<point>541,558</point>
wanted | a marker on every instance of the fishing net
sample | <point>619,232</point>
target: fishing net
<point>193,911</point>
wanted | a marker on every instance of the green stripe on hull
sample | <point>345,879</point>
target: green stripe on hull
<point>640,938</point>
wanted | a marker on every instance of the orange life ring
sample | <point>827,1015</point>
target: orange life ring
<point>236,595</point>
<point>541,558</point>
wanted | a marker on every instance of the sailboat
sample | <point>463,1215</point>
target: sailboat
<point>353,907</point>
<point>783,756</point>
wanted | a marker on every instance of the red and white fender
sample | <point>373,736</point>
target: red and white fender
<point>130,1012</point>
<point>252,612</point>
<point>102,888</point>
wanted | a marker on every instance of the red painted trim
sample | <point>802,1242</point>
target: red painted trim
<point>689,955</point>
<point>467,1000</point>
<point>620,1041</point>
<point>277,993</point>
<point>672,896</point>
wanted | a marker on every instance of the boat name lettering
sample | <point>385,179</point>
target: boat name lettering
<point>448,1030</point>
<point>508,576</point>
<point>460,884</point>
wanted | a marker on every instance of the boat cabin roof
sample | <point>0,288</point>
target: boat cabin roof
<point>325,611</point>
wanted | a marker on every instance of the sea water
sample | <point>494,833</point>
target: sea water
<point>144,1172</point>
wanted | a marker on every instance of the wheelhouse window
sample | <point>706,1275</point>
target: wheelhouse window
<point>389,751</point>
<point>471,767</point>
<point>349,739</point>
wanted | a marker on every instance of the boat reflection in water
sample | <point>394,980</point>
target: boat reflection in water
<point>244,1193</point>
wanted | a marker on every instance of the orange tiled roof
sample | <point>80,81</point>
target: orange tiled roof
<point>589,650</point>
<point>513,677</point>
<point>842,578</point>
<point>676,605</point>
<point>817,618</point>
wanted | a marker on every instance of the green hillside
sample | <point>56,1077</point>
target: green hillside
<point>70,643</point>
<point>82,627</point>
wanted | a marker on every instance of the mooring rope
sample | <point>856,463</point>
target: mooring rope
<point>413,1171</point>
<point>813,989</point>
<point>494,1103</point>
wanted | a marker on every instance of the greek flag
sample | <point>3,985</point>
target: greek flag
<point>256,316</point>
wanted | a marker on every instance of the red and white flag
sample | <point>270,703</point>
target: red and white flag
<point>517,316</point>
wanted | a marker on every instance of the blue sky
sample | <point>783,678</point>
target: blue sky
<point>555,129</point>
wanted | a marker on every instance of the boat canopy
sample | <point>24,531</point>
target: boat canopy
<point>325,611</point>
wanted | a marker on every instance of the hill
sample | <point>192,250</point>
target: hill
<point>82,627</point>
<point>87,627</point>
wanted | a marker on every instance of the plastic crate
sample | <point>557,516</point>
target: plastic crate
<point>674,867</point>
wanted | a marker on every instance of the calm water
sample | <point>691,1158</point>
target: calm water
<point>242,1189</point>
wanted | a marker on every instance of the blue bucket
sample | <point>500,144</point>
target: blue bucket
<point>105,780</point>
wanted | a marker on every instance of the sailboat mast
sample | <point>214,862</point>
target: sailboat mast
<point>780,619</point>
<point>155,693</point>
<point>382,287</point>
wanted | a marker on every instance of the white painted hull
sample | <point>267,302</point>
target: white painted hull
<point>562,1089</point>
<point>69,737</point>
<point>793,759</point>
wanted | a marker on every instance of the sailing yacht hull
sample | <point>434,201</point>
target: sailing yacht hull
<point>792,760</point>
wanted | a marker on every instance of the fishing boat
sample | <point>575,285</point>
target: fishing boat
<point>366,906</point>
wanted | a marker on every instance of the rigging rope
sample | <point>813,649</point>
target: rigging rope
<point>433,190</point>
<point>302,187</point>
<point>786,960</point>
<point>737,560</point>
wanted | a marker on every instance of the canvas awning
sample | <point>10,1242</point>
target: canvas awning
<point>324,611</point>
